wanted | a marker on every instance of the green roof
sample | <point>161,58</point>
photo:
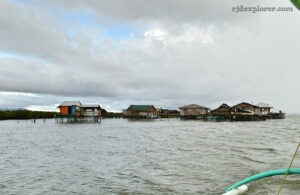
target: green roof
<point>139,107</point>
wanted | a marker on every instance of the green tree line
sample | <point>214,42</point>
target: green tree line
<point>25,114</point>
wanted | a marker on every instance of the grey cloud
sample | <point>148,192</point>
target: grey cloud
<point>171,11</point>
<point>32,77</point>
<point>27,30</point>
<point>253,59</point>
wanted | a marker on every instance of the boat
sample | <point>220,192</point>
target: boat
<point>242,186</point>
<point>153,117</point>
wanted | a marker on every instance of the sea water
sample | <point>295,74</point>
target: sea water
<point>162,156</point>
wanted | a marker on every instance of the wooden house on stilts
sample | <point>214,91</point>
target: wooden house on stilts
<point>193,111</point>
<point>75,112</point>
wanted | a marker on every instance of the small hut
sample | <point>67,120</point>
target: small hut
<point>71,108</point>
<point>140,111</point>
<point>91,110</point>
<point>223,110</point>
<point>193,111</point>
<point>247,107</point>
<point>75,112</point>
<point>264,108</point>
<point>247,112</point>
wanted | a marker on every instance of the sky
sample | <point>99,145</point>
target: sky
<point>167,53</point>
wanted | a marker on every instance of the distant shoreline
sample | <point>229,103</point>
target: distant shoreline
<point>28,114</point>
<point>25,114</point>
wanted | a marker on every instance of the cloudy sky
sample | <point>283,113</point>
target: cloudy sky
<point>163,52</point>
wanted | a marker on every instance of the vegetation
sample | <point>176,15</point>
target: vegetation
<point>296,3</point>
<point>25,114</point>
<point>112,115</point>
<point>105,114</point>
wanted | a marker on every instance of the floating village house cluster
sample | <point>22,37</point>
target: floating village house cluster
<point>240,112</point>
<point>74,111</point>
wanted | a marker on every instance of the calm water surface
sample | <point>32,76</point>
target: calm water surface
<point>120,156</point>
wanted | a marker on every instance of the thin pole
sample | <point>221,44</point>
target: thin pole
<point>288,169</point>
